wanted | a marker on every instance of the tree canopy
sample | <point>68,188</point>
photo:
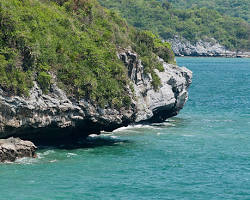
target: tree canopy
<point>193,23</point>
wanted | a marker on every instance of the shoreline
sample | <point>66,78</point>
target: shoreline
<point>205,48</point>
<point>181,56</point>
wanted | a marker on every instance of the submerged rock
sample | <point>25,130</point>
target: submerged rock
<point>13,148</point>
<point>56,115</point>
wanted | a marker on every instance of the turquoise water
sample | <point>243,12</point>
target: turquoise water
<point>204,153</point>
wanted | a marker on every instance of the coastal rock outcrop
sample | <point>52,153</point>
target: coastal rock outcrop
<point>208,48</point>
<point>168,100</point>
<point>13,148</point>
<point>55,114</point>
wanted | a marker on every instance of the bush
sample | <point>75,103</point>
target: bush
<point>149,46</point>
<point>156,81</point>
<point>44,81</point>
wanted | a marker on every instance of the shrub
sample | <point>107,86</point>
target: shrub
<point>44,81</point>
<point>149,46</point>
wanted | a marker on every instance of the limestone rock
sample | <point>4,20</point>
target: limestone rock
<point>209,47</point>
<point>168,100</point>
<point>13,148</point>
<point>55,114</point>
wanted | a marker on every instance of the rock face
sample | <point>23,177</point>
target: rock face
<point>13,148</point>
<point>168,100</point>
<point>210,48</point>
<point>54,114</point>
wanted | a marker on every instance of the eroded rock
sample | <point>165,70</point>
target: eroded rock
<point>54,114</point>
<point>13,148</point>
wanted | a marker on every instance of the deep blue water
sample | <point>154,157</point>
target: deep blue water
<point>203,153</point>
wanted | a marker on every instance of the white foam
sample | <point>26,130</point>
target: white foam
<point>48,152</point>
<point>26,161</point>
<point>122,129</point>
<point>188,135</point>
<point>93,135</point>
<point>71,155</point>
<point>163,124</point>
<point>134,127</point>
<point>52,161</point>
<point>170,120</point>
<point>39,155</point>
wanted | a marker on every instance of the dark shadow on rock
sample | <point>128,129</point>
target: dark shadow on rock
<point>80,143</point>
<point>75,138</point>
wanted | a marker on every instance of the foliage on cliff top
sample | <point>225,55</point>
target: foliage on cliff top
<point>75,41</point>
<point>193,24</point>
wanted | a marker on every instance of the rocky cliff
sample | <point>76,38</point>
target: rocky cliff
<point>56,115</point>
<point>208,48</point>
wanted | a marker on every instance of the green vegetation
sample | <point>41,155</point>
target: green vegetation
<point>149,46</point>
<point>193,24</point>
<point>44,78</point>
<point>72,42</point>
<point>239,8</point>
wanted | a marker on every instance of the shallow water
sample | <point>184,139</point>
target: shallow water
<point>203,153</point>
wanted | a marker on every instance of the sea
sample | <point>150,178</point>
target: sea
<point>201,154</point>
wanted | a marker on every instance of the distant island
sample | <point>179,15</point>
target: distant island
<point>195,28</point>
<point>239,8</point>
